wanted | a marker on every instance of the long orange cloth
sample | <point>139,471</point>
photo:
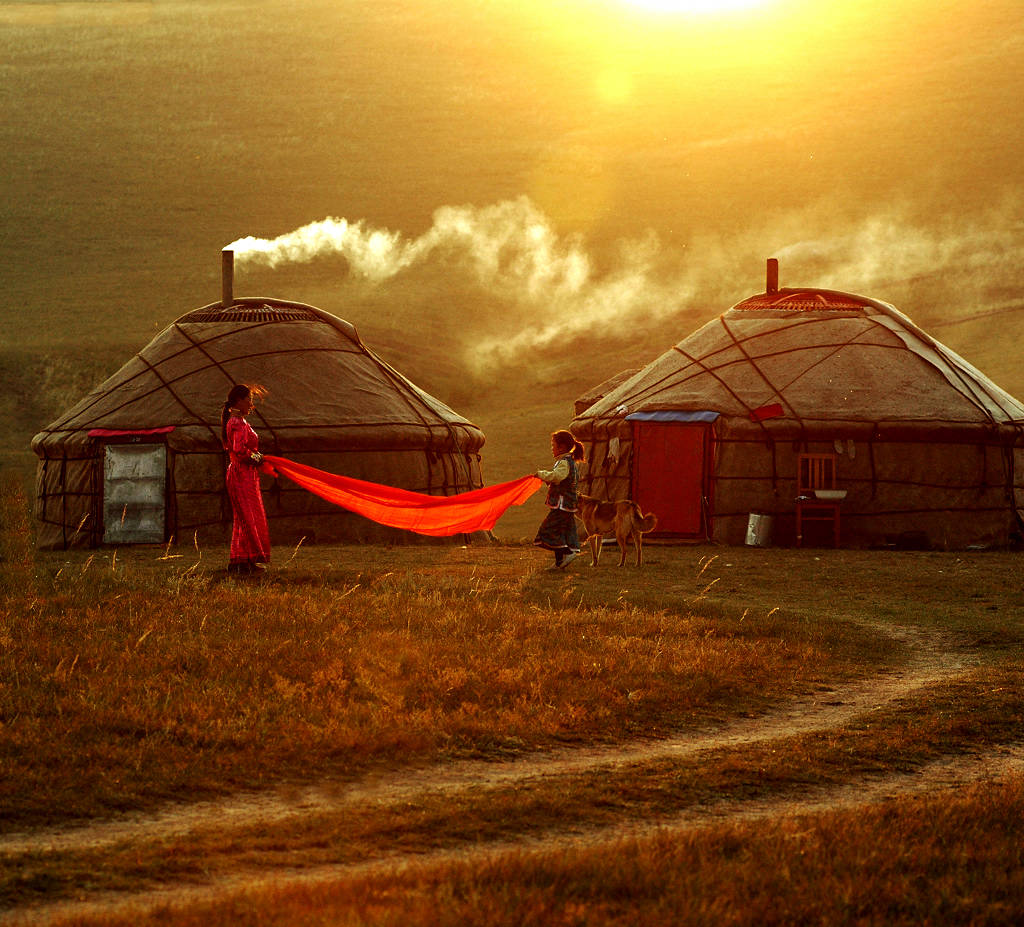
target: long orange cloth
<point>438,516</point>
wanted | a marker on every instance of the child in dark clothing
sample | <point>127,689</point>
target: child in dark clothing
<point>558,530</point>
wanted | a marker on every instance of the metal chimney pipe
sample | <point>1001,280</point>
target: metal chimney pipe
<point>772,285</point>
<point>227,278</point>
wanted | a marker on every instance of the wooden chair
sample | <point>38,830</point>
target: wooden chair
<point>816,471</point>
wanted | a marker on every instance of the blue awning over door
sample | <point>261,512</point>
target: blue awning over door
<point>672,415</point>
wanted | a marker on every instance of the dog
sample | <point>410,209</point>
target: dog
<point>624,518</point>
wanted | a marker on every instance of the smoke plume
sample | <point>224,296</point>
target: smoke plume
<point>533,288</point>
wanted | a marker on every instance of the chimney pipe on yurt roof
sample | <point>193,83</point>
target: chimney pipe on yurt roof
<point>227,278</point>
<point>772,284</point>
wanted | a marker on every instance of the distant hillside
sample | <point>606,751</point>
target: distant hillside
<point>40,384</point>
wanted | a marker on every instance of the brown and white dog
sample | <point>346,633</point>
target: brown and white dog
<point>624,518</point>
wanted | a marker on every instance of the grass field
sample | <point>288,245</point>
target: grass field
<point>530,746</point>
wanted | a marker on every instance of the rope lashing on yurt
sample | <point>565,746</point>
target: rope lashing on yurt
<point>403,389</point>
<point>403,386</point>
<point>697,362</point>
<point>836,348</point>
<point>84,423</point>
<point>749,409</point>
<point>436,516</point>
<point>970,388</point>
<point>163,384</point>
<point>167,386</point>
<point>259,312</point>
<point>776,392</point>
<point>200,346</point>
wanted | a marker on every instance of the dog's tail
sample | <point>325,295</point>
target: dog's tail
<point>646,522</point>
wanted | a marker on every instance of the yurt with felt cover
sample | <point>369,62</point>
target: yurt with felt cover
<point>829,416</point>
<point>140,459</point>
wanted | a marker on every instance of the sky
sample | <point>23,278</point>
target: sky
<point>534,170</point>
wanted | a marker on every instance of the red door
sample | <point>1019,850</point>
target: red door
<point>671,464</point>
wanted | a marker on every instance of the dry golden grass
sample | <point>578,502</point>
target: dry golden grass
<point>983,710</point>
<point>135,677</point>
<point>954,860</point>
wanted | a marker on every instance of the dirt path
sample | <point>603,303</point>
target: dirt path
<point>934,656</point>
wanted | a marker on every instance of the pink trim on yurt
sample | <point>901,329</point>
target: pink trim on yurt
<point>122,432</point>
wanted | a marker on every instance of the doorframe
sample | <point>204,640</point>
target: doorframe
<point>120,440</point>
<point>707,483</point>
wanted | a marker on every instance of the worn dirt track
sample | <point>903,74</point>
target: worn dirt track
<point>934,656</point>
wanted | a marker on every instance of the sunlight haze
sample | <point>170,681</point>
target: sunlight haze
<point>613,163</point>
<point>694,6</point>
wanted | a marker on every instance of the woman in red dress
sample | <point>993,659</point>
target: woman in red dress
<point>250,539</point>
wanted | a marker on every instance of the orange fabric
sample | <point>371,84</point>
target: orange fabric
<point>438,516</point>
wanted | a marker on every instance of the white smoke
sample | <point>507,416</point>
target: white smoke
<point>892,251</point>
<point>538,288</point>
<point>545,283</point>
<point>372,253</point>
<point>509,246</point>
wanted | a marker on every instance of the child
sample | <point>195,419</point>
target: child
<point>558,530</point>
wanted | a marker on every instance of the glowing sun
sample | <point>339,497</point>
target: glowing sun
<point>694,6</point>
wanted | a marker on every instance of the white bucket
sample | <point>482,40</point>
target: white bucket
<point>759,530</point>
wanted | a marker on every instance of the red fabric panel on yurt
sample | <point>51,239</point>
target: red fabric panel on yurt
<point>670,475</point>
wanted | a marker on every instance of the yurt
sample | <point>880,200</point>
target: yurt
<point>592,395</point>
<point>140,459</point>
<point>812,417</point>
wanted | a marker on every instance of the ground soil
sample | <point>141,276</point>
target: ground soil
<point>935,656</point>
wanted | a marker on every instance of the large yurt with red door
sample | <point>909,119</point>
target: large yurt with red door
<point>140,459</point>
<point>823,416</point>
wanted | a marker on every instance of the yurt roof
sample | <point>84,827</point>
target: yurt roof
<point>602,389</point>
<point>323,383</point>
<point>813,356</point>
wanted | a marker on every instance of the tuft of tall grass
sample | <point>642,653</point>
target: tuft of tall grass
<point>17,538</point>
